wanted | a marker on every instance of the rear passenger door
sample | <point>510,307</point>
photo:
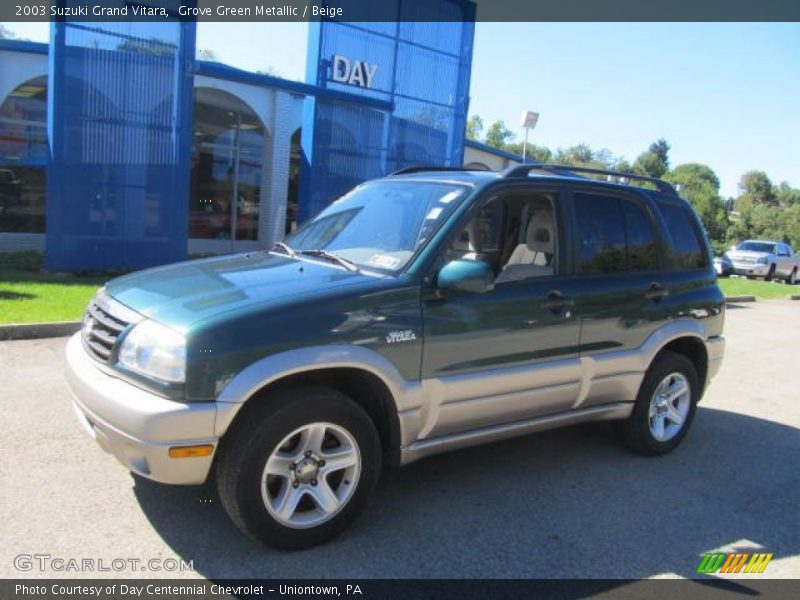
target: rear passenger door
<point>619,260</point>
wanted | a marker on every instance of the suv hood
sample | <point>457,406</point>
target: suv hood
<point>182,294</point>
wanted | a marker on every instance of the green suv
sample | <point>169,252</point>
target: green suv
<point>423,312</point>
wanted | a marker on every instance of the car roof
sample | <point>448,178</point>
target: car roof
<point>484,177</point>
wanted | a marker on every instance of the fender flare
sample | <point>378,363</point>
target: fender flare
<point>405,394</point>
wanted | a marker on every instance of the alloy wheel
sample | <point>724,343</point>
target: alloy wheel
<point>311,475</point>
<point>669,406</point>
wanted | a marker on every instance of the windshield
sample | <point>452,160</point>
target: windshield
<point>380,225</point>
<point>757,247</point>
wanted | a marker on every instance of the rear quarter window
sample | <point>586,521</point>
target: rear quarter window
<point>687,246</point>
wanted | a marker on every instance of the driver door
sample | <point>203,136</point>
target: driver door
<point>510,353</point>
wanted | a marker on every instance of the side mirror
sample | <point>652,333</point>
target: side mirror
<point>470,276</point>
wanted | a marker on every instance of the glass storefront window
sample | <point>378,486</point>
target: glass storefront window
<point>23,118</point>
<point>23,154</point>
<point>227,168</point>
<point>22,199</point>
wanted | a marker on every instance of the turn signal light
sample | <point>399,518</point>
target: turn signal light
<point>191,451</point>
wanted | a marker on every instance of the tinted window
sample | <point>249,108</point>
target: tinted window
<point>686,245</point>
<point>767,247</point>
<point>601,234</point>
<point>642,249</point>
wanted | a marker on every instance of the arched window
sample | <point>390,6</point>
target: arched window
<point>23,156</point>
<point>227,166</point>
<point>23,122</point>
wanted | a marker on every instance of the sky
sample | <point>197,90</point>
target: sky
<point>723,94</point>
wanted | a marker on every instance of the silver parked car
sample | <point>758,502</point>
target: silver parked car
<point>767,259</point>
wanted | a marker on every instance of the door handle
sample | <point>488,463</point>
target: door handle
<point>556,302</point>
<point>656,292</point>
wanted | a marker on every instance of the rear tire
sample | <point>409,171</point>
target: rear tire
<point>297,468</point>
<point>662,414</point>
<point>792,279</point>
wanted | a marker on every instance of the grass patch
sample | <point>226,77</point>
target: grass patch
<point>28,296</point>
<point>762,290</point>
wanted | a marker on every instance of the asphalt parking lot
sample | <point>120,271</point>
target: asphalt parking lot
<point>569,503</point>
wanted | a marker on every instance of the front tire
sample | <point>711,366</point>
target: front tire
<point>665,406</point>
<point>297,468</point>
<point>771,274</point>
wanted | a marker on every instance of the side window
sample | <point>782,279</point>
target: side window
<point>642,248</point>
<point>482,237</point>
<point>514,234</point>
<point>601,234</point>
<point>686,245</point>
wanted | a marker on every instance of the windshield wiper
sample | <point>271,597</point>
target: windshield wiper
<point>286,248</point>
<point>346,263</point>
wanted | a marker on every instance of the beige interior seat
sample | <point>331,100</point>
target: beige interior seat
<point>465,246</point>
<point>534,257</point>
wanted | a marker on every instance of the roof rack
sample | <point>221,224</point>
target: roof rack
<point>422,168</point>
<point>524,171</point>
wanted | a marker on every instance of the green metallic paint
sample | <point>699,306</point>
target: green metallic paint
<point>238,309</point>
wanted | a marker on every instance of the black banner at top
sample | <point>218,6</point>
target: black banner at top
<point>392,10</point>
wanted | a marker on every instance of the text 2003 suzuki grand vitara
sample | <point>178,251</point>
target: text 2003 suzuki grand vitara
<point>422,312</point>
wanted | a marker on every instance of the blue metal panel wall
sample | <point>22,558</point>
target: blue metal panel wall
<point>120,101</point>
<point>423,68</point>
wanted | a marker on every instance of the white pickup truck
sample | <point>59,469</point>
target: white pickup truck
<point>767,259</point>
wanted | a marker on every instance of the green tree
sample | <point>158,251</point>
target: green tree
<point>533,152</point>
<point>474,127</point>
<point>786,195</point>
<point>578,155</point>
<point>498,134</point>
<point>700,186</point>
<point>655,161</point>
<point>694,177</point>
<point>622,166</point>
<point>661,149</point>
<point>756,188</point>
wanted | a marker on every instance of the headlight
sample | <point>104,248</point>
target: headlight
<point>155,351</point>
<point>763,260</point>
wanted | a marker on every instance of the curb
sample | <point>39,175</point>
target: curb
<point>730,299</point>
<point>35,331</point>
<point>794,297</point>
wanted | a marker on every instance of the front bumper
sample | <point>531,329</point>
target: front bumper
<point>752,269</point>
<point>139,427</point>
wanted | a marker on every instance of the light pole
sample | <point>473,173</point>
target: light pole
<point>528,121</point>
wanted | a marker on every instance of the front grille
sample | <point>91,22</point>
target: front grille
<point>101,329</point>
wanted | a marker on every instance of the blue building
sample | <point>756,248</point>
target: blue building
<point>119,149</point>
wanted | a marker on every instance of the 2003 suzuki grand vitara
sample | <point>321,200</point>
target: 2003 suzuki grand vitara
<point>422,312</point>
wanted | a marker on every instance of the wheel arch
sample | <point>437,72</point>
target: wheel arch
<point>361,374</point>
<point>693,348</point>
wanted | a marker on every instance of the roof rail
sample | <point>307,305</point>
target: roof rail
<point>524,171</point>
<point>422,168</point>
